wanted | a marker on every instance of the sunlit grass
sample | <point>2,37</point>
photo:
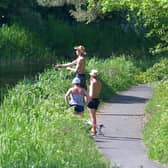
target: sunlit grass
<point>156,130</point>
<point>37,130</point>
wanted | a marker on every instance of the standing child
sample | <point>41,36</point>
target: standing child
<point>94,93</point>
<point>80,65</point>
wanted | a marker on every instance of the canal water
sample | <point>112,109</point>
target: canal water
<point>11,74</point>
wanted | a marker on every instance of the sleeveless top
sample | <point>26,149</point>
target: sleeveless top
<point>77,99</point>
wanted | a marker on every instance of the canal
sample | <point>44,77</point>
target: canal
<point>11,74</point>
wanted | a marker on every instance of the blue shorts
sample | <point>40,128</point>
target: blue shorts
<point>82,78</point>
<point>93,104</point>
<point>77,108</point>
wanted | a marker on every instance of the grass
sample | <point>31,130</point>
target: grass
<point>155,131</point>
<point>25,46</point>
<point>37,130</point>
<point>156,128</point>
<point>157,72</point>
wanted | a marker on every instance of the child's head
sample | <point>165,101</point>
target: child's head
<point>80,49</point>
<point>76,81</point>
<point>93,73</point>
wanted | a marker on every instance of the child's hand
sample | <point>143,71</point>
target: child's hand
<point>68,68</point>
<point>58,66</point>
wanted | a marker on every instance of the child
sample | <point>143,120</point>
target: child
<point>94,93</point>
<point>75,97</point>
<point>79,69</point>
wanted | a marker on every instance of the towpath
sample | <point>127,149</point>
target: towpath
<point>123,118</point>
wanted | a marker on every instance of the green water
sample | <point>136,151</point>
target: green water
<point>10,75</point>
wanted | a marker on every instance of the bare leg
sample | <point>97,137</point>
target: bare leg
<point>92,113</point>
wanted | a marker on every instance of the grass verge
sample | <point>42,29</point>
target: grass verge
<point>37,130</point>
<point>156,129</point>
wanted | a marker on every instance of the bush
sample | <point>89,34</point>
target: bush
<point>116,74</point>
<point>19,46</point>
<point>157,72</point>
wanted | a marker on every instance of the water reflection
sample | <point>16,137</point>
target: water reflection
<point>11,74</point>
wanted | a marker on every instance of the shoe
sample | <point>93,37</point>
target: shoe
<point>93,133</point>
<point>88,122</point>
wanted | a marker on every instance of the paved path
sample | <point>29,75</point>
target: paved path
<point>123,118</point>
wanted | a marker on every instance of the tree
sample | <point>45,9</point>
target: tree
<point>79,9</point>
<point>152,14</point>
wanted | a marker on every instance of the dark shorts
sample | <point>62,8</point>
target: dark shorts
<point>77,108</point>
<point>93,104</point>
<point>82,78</point>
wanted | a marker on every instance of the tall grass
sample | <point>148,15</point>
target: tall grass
<point>157,72</point>
<point>19,45</point>
<point>116,74</point>
<point>156,129</point>
<point>37,130</point>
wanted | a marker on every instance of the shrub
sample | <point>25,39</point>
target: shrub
<point>157,72</point>
<point>116,73</point>
<point>19,45</point>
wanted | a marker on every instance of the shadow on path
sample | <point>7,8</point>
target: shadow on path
<point>130,115</point>
<point>116,138</point>
<point>127,99</point>
<point>121,140</point>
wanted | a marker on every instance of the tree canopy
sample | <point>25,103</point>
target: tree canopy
<point>151,14</point>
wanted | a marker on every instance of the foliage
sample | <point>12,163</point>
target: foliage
<point>37,131</point>
<point>78,10</point>
<point>155,131</point>
<point>60,35</point>
<point>39,39</point>
<point>151,13</point>
<point>157,72</point>
<point>3,91</point>
<point>24,45</point>
<point>36,128</point>
<point>115,73</point>
<point>6,4</point>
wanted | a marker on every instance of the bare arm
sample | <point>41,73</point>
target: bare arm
<point>78,66</point>
<point>87,96</point>
<point>67,95</point>
<point>91,89</point>
<point>70,64</point>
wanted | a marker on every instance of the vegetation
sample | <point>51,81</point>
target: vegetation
<point>116,74</point>
<point>155,132</point>
<point>52,29</point>
<point>57,39</point>
<point>151,14</point>
<point>24,46</point>
<point>36,128</point>
<point>157,72</point>
<point>33,116</point>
